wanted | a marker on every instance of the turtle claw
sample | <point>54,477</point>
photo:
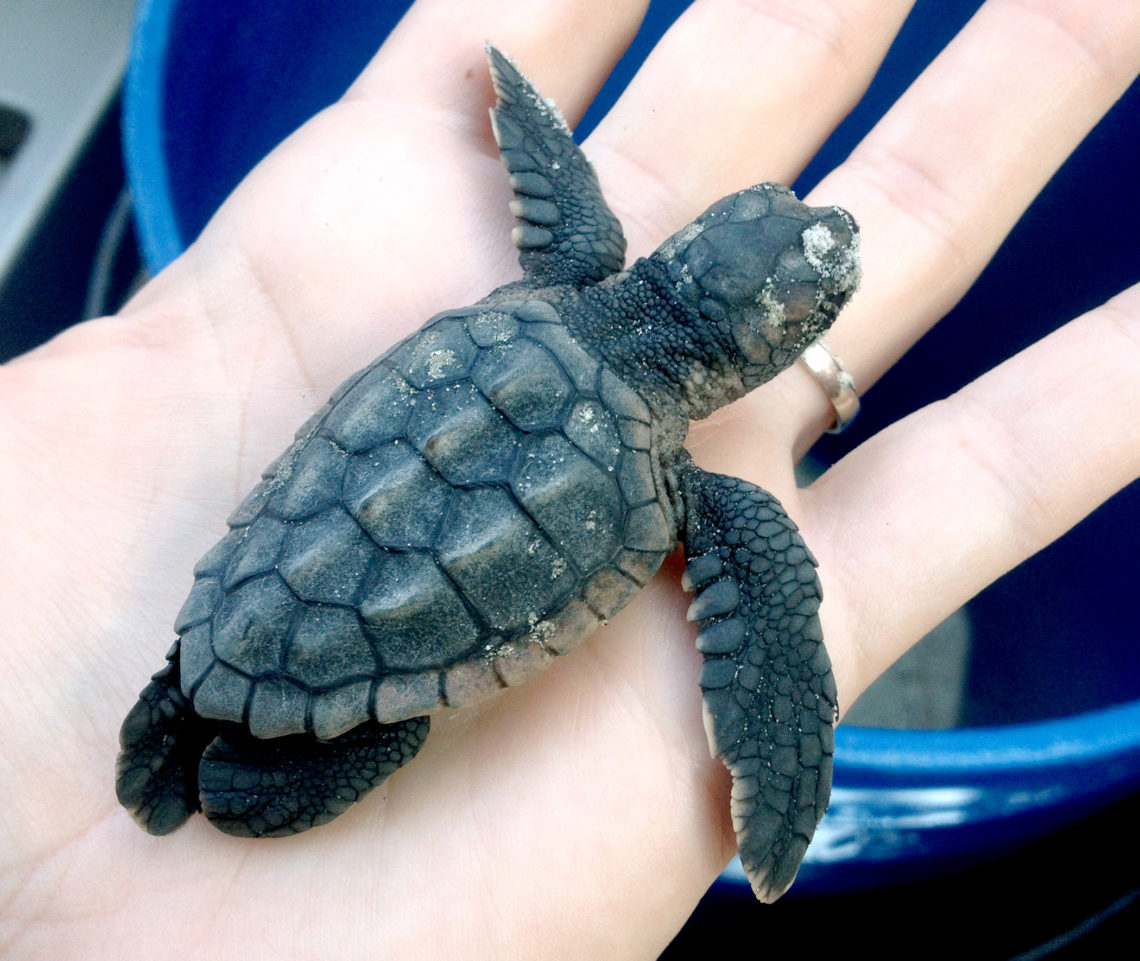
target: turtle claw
<point>161,740</point>
<point>769,695</point>
<point>567,233</point>
<point>272,788</point>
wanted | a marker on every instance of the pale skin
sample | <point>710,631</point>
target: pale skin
<point>580,814</point>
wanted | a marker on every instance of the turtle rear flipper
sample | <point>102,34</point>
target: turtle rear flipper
<point>769,695</point>
<point>567,233</point>
<point>274,787</point>
<point>161,741</point>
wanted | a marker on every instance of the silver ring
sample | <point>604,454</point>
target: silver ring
<point>828,372</point>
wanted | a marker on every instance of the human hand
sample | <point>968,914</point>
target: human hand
<point>589,792</point>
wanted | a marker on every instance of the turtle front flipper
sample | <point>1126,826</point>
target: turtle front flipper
<point>252,787</point>
<point>567,234</point>
<point>161,742</point>
<point>769,695</point>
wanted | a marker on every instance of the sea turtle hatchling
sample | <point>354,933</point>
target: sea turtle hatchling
<point>485,494</point>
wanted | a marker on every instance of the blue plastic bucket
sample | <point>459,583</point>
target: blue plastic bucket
<point>1054,686</point>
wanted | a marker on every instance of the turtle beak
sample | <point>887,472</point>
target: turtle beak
<point>831,247</point>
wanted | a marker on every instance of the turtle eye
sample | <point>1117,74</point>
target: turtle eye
<point>753,337</point>
<point>799,308</point>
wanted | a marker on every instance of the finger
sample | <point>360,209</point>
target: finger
<point>938,506</point>
<point>941,180</point>
<point>722,103</point>
<point>566,48</point>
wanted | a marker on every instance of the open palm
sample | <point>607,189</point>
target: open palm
<point>589,793</point>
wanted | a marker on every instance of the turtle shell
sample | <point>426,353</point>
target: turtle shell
<point>463,510</point>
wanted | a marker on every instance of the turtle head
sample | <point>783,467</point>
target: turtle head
<point>767,274</point>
